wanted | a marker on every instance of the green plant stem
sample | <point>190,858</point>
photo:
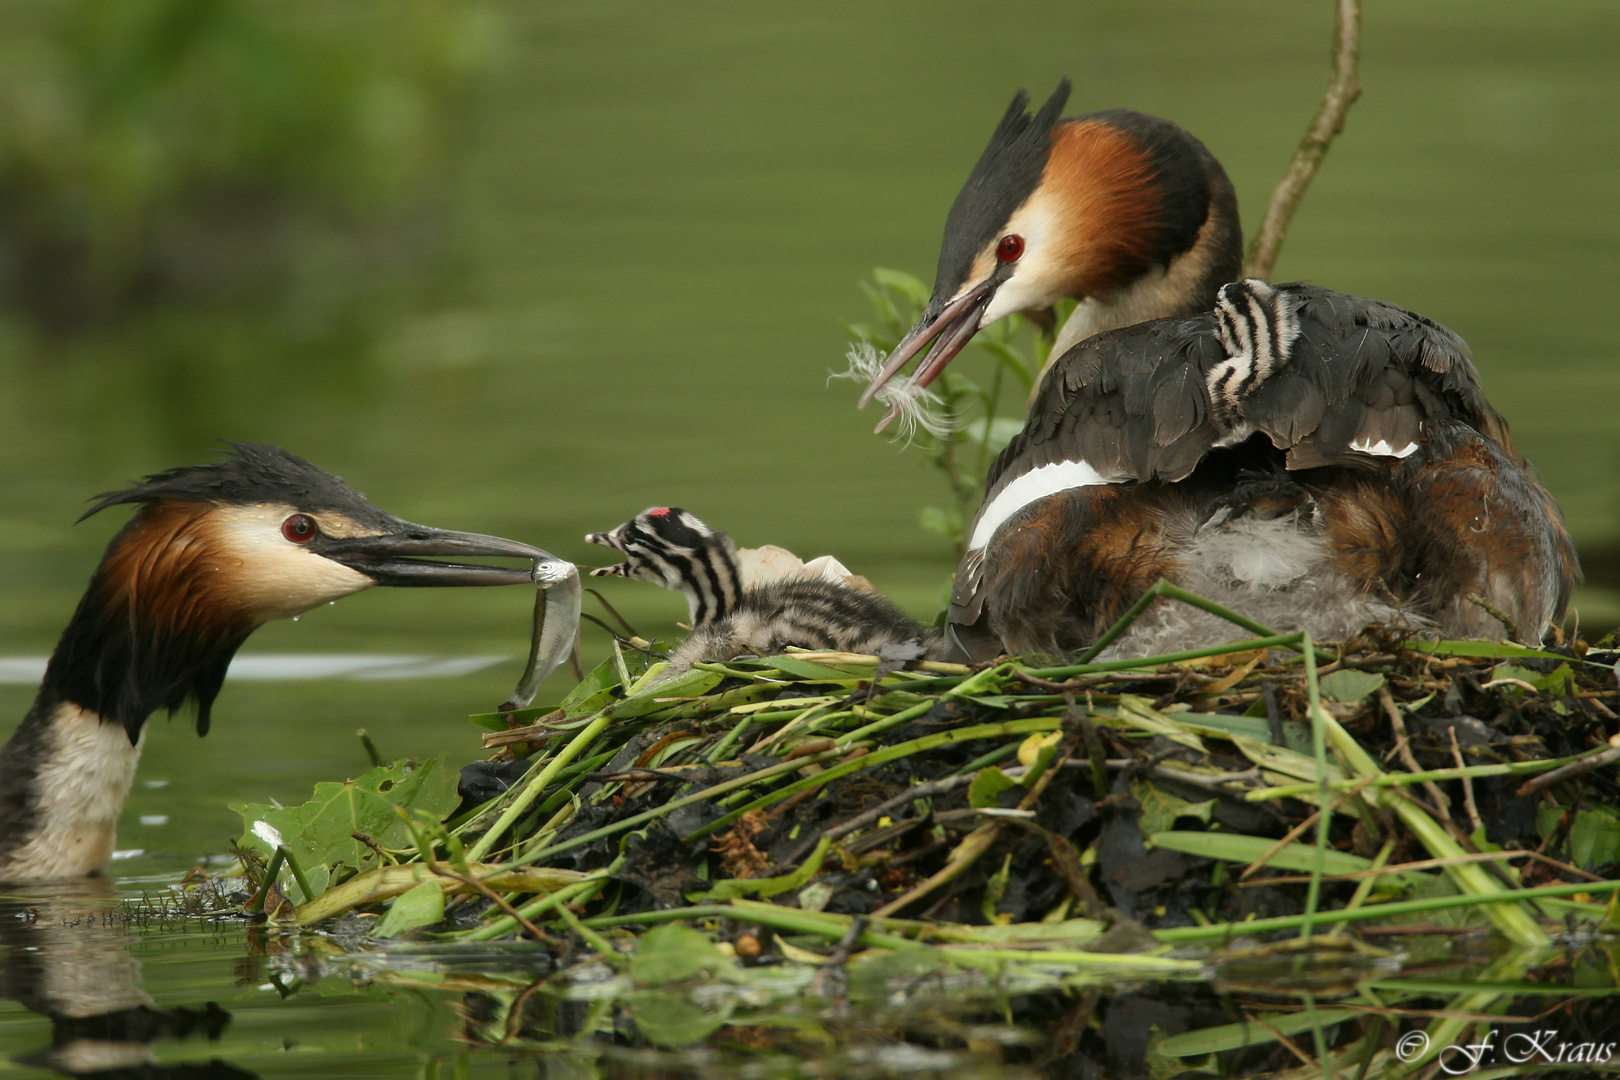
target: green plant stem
<point>1400,907</point>
<point>657,812</point>
<point>535,908</point>
<point>536,786</point>
<point>1324,815</point>
<point>1510,918</point>
<point>596,941</point>
<point>880,757</point>
<point>297,873</point>
<point>1280,641</point>
<point>1164,589</point>
<point>256,903</point>
<point>1406,779</point>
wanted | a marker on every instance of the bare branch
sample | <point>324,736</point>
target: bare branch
<point>1342,92</point>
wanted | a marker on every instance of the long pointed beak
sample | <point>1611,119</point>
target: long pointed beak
<point>947,331</point>
<point>395,558</point>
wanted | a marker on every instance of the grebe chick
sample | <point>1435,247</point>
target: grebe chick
<point>737,609</point>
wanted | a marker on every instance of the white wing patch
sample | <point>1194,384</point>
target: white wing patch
<point>1381,448</point>
<point>1033,485</point>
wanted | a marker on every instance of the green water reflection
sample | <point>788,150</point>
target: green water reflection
<point>646,222</point>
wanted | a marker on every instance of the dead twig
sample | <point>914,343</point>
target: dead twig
<point>1467,785</point>
<point>1508,625</point>
<point>1342,92</point>
<point>1442,805</point>
<point>1585,765</point>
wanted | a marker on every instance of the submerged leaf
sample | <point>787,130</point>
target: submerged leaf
<point>672,953</point>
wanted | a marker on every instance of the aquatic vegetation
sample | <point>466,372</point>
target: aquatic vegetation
<point>780,826</point>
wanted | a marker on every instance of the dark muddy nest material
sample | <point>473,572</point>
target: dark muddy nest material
<point>1013,793</point>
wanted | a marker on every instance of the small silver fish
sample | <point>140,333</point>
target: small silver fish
<point>557,604</point>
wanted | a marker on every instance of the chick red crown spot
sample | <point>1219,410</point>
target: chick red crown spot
<point>658,512</point>
<point>1010,248</point>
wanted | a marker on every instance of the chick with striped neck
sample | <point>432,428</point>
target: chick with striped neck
<point>757,602</point>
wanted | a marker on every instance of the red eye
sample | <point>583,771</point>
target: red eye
<point>300,528</point>
<point>1010,248</point>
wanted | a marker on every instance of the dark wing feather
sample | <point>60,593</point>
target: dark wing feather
<point>1380,374</point>
<point>1132,403</point>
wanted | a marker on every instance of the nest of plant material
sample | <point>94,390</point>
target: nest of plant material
<point>1082,824</point>
<point>1013,793</point>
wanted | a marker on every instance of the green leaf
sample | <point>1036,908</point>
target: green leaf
<point>318,832</point>
<point>581,698</point>
<point>672,953</point>
<point>1594,835</point>
<point>940,520</point>
<point>987,786</point>
<point>1298,858</point>
<point>1216,1040</point>
<point>421,905</point>
<point>808,671</point>
<point>732,888</point>
<point>1560,681</point>
<point>688,684</point>
<point>1349,684</point>
<point>1223,725</point>
<point>1501,649</point>
<point>1160,809</point>
<point>994,889</point>
<point>668,1018</point>
<point>903,283</point>
<point>1137,713</point>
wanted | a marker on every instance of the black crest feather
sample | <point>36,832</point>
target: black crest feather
<point>1007,172</point>
<point>253,473</point>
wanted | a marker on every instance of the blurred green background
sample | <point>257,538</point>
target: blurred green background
<point>528,268</point>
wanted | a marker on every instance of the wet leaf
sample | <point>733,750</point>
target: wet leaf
<point>1215,1040</point>
<point>671,954</point>
<point>422,905</point>
<point>1594,835</point>
<point>318,832</point>
<point>1297,858</point>
<point>731,888</point>
<point>987,786</point>
<point>1160,809</point>
<point>669,1018</point>
<point>1351,685</point>
<point>1137,713</point>
<point>688,684</point>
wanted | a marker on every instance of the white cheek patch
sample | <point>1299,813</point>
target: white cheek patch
<point>274,577</point>
<point>1381,448</point>
<point>1039,277</point>
<point>1033,485</point>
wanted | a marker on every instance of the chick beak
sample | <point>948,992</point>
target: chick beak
<point>948,329</point>
<point>397,558</point>
<point>614,540</point>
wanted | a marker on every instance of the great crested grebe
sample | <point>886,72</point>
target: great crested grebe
<point>732,616</point>
<point>212,553</point>
<point>1310,458</point>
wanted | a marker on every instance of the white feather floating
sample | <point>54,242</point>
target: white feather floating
<point>917,408</point>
